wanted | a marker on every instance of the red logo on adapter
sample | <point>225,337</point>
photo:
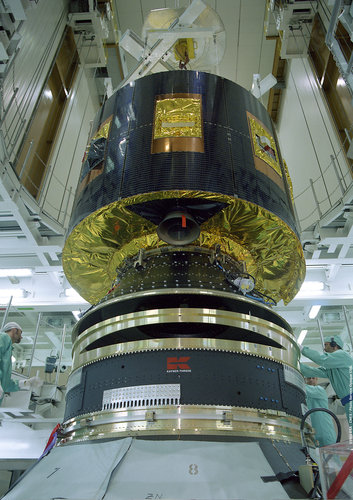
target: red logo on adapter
<point>178,363</point>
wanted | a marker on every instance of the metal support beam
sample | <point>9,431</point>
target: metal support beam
<point>34,344</point>
<point>63,335</point>
<point>337,173</point>
<point>4,319</point>
<point>321,335</point>
<point>315,198</point>
<point>348,325</point>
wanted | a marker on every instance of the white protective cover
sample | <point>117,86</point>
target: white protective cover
<point>144,469</point>
<point>193,470</point>
<point>73,472</point>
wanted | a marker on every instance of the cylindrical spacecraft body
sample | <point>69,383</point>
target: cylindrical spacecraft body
<point>191,141</point>
<point>183,130</point>
<point>183,235</point>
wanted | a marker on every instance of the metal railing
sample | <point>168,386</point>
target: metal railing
<point>332,196</point>
<point>30,357</point>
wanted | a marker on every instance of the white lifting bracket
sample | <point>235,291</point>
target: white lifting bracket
<point>163,43</point>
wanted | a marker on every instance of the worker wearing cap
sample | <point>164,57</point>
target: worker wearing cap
<point>316,397</point>
<point>336,365</point>
<point>12,334</point>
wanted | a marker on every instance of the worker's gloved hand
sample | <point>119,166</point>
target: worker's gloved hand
<point>35,383</point>
<point>31,384</point>
<point>23,384</point>
<point>1,391</point>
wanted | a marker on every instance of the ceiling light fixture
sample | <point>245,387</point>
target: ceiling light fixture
<point>312,286</point>
<point>77,315</point>
<point>71,292</point>
<point>314,311</point>
<point>302,336</point>
<point>20,273</point>
<point>12,292</point>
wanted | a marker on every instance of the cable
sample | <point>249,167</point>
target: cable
<point>269,301</point>
<point>305,447</point>
<point>304,417</point>
<point>253,294</point>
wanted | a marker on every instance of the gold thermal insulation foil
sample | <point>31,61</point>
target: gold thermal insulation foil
<point>100,243</point>
<point>177,117</point>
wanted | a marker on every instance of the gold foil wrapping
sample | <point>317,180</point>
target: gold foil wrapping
<point>178,117</point>
<point>184,49</point>
<point>100,243</point>
<point>103,131</point>
<point>289,180</point>
<point>264,145</point>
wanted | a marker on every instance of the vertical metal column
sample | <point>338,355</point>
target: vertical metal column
<point>26,158</point>
<point>8,107</point>
<point>67,206</point>
<point>61,354</point>
<point>321,335</point>
<point>315,197</point>
<point>34,344</point>
<point>337,174</point>
<point>6,313</point>
<point>44,184</point>
<point>347,323</point>
<point>333,21</point>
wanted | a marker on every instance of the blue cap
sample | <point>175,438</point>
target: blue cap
<point>335,338</point>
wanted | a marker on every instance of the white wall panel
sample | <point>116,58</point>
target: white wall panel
<point>247,50</point>
<point>129,15</point>
<point>266,57</point>
<point>66,159</point>
<point>308,139</point>
<point>40,37</point>
<point>230,16</point>
<point>148,5</point>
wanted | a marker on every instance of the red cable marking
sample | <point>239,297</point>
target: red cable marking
<point>341,477</point>
<point>51,436</point>
<point>183,221</point>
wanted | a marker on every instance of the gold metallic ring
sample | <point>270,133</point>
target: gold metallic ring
<point>266,329</point>
<point>184,420</point>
